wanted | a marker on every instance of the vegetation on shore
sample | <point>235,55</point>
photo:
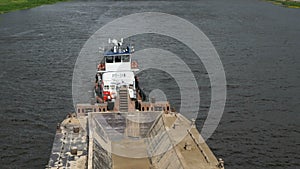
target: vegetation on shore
<point>287,3</point>
<point>12,5</point>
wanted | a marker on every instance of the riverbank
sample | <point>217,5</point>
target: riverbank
<point>287,3</point>
<point>13,5</point>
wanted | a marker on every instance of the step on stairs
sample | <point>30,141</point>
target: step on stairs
<point>123,95</point>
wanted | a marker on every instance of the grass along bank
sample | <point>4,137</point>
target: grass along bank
<point>287,3</point>
<point>12,5</point>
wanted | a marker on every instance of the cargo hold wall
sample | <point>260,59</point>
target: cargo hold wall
<point>160,147</point>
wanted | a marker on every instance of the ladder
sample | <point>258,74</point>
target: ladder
<point>123,102</point>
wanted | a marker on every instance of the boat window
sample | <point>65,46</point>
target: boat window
<point>112,87</point>
<point>125,58</point>
<point>106,87</point>
<point>117,58</point>
<point>109,59</point>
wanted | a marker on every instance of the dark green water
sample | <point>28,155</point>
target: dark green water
<point>258,44</point>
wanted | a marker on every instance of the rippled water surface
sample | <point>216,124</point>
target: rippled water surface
<point>258,44</point>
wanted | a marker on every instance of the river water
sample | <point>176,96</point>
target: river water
<point>258,44</point>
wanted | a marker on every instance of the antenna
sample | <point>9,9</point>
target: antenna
<point>115,42</point>
<point>101,49</point>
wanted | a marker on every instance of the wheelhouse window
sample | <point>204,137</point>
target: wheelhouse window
<point>117,58</point>
<point>109,59</point>
<point>125,58</point>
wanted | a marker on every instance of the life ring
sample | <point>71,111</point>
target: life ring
<point>107,95</point>
<point>101,66</point>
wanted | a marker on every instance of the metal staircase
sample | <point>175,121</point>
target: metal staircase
<point>123,102</point>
